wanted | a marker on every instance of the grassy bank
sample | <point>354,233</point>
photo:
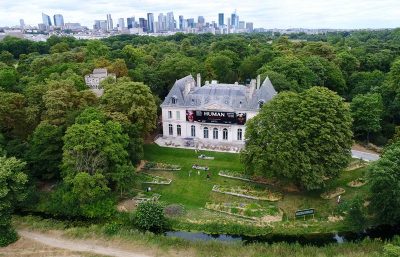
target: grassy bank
<point>166,246</point>
<point>193,190</point>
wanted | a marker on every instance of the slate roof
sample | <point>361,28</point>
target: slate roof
<point>218,96</point>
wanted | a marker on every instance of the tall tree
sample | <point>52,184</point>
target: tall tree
<point>367,113</point>
<point>305,138</point>
<point>385,186</point>
<point>133,99</point>
<point>12,186</point>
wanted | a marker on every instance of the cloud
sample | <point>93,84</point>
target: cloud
<point>264,13</point>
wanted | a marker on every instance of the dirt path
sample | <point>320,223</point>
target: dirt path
<point>77,246</point>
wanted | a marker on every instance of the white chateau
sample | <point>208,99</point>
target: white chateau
<point>211,116</point>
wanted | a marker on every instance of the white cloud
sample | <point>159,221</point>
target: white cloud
<point>264,13</point>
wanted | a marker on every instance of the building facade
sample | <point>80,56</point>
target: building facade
<point>58,20</point>
<point>214,113</point>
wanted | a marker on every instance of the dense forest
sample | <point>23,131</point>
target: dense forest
<point>54,129</point>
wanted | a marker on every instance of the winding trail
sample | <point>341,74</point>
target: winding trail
<point>79,246</point>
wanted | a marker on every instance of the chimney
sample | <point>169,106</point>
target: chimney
<point>198,80</point>
<point>258,82</point>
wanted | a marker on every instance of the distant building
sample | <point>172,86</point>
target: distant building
<point>143,24</point>
<point>201,21</point>
<point>220,19</point>
<point>58,20</point>
<point>234,20</point>
<point>242,25</point>
<point>93,80</point>
<point>72,26</point>
<point>130,22</point>
<point>214,115</point>
<point>121,24</point>
<point>150,22</point>
<point>181,22</point>
<point>162,22</point>
<point>109,23</point>
<point>249,27</point>
<point>22,23</point>
<point>170,21</point>
<point>46,20</point>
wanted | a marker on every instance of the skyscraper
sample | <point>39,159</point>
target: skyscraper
<point>121,23</point>
<point>200,21</point>
<point>58,20</point>
<point>46,20</point>
<point>143,24</point>
<point>109,23</point>
<point>170,21</point>
<point>181,22</point>
<point>249,27</point>
<point>130,22</point>
<point>22,23</point>
<point>221,19</point>
<point>161,22</point>
<point>235,20</point>
<point>150,22</point>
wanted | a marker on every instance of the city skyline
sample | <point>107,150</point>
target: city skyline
<point>269,14</point>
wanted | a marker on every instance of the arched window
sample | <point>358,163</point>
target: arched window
<point>205,132</point>
<point>215,133</point>
<point>260,103</point>
<point>193,130</point>
<point>225,134</point>
<point>239,134</point>
<point>173,100</point>
<point>178,130</point>
<point>170,129</point>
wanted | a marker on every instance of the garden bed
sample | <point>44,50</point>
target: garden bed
<point>356,164</point>
<point>157,180</point>
<point>235,175</point>
<point>204,157</point>
<point>249,192</point>
<point>251,211</point>
<point>197,167</point>
<point>161,166</point>
<point>333,193</point>
<point>357,183</point>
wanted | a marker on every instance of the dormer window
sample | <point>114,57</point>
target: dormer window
<point>173,100</point>
<point>260,103</point>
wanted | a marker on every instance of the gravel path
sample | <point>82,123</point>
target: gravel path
<point>79,246</point>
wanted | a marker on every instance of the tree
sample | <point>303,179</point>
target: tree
<point>385,186</point>
<point>59,48</point>
<point>96,49</point>
<point>6,57</point>
<point>219,67</point>
<point>304,138</point>
<point>8,78</point>
<point>133,99</point>
<point>12,114</point>
<point>94,147</point>
<point>45,151</point>
<point>150,216</point>
<point>348,63</point>
<point>294,70</point>
<point>367,113</point>
<point>12,186</point>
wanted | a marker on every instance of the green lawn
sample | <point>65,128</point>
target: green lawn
<point>195,190</point>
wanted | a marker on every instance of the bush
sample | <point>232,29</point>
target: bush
<point>7,235</point>
<point>111,228</point>
<point>150,216</point>
<point>356,214</point>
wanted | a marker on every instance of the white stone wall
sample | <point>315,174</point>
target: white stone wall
<point>180,119</point>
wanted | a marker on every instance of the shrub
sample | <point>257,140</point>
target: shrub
<point>111,228</point>
<point>150,216</point>
<point>7,235</point>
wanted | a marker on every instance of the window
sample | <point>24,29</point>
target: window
<point>193,131</point>
<point>169,115</point>
<point>260,103</point>
<point>225,134</point>
<point>239,134</point>
<point>205,132</point>
<point>173,100</point>
<point>178,130</point>
<point>178,115</point>
<point>215,133</point>
<point>170,129</point>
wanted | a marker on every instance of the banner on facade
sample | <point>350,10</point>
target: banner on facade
<point>216,117</point>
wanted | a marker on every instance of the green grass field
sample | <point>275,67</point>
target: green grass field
<point>193,190</point>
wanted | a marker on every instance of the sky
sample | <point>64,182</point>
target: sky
<point>340,14</point>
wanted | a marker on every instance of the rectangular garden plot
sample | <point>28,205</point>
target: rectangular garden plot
<point>157,180</point>
<point>161,166</point>
<point>249,192</point>
<point>251,211</point>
